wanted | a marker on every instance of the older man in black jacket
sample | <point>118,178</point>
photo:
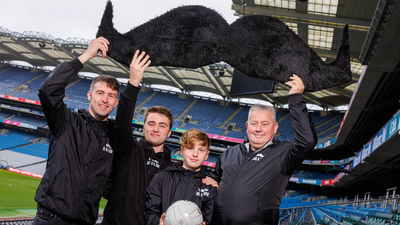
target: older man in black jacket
<point>252,176</point>
<point>80,152</point>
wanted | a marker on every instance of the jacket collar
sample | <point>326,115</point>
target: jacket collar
<point>177,166</point>
<point>246,146</point>
<point>166,153</point>
<point>93,121</point>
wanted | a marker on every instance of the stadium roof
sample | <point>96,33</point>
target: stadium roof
<point>318,23</point>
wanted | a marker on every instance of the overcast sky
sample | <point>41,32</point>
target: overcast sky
<point>80,18</point>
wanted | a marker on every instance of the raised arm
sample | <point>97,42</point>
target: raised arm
<point>123,138</point>
<point>52,90</point>
<point>305,136</point>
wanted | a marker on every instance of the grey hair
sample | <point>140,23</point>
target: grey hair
<point>263,108</point>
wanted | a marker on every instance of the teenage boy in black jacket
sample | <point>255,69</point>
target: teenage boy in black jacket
<point>136,162</point>
<point>80,152</point>
<point>182,181</point>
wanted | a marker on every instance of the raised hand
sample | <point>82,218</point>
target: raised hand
<point>296,84</point>
<point>136,69</point>
<point>95,45</point>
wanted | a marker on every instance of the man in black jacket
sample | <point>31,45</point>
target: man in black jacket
<point>253,176</point>
<point>136,162</point>
<point>80,152</point>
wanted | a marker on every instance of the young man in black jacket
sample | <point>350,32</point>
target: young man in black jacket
<point>80,152</point>
<point>136,162</point>
<point>182,181</point>
<point>253,176</point>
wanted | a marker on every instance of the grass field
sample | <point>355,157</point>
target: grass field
<point>17,194</point>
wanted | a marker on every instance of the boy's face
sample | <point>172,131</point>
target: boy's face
<point>194,157</point>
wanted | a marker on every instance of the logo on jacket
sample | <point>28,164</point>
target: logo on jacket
<point>203,192</point>
<point>153,162</point>
<point>258,157</point>
<point>107,148</point>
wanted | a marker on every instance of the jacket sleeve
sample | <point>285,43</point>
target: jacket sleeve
<point>123,138</point>
<point>305,136</point>
<point>107,186</point>
<point>216,174</point>
<point>153,207</point>
<point>52,92</point>
<point>208,206</point>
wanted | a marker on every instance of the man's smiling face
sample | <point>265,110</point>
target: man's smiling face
<point>102,99</point>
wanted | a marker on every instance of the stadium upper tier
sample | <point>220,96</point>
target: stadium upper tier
<point>190,112</point>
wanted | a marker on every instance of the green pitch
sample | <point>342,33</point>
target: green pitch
<point>17,194</point>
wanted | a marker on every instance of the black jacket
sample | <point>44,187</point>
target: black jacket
<point>177,183</point>
<point>252,183</point>
<point>135,164</point>
<point>80,153</point>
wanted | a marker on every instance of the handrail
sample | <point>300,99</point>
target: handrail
<point>348,202</point>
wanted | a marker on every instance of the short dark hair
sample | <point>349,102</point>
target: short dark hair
<point>161,110</point>
<point>111,82</point>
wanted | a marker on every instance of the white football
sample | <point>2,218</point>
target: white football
<point>183,213</point>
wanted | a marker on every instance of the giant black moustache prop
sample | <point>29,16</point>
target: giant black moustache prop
<point>257,45</point>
